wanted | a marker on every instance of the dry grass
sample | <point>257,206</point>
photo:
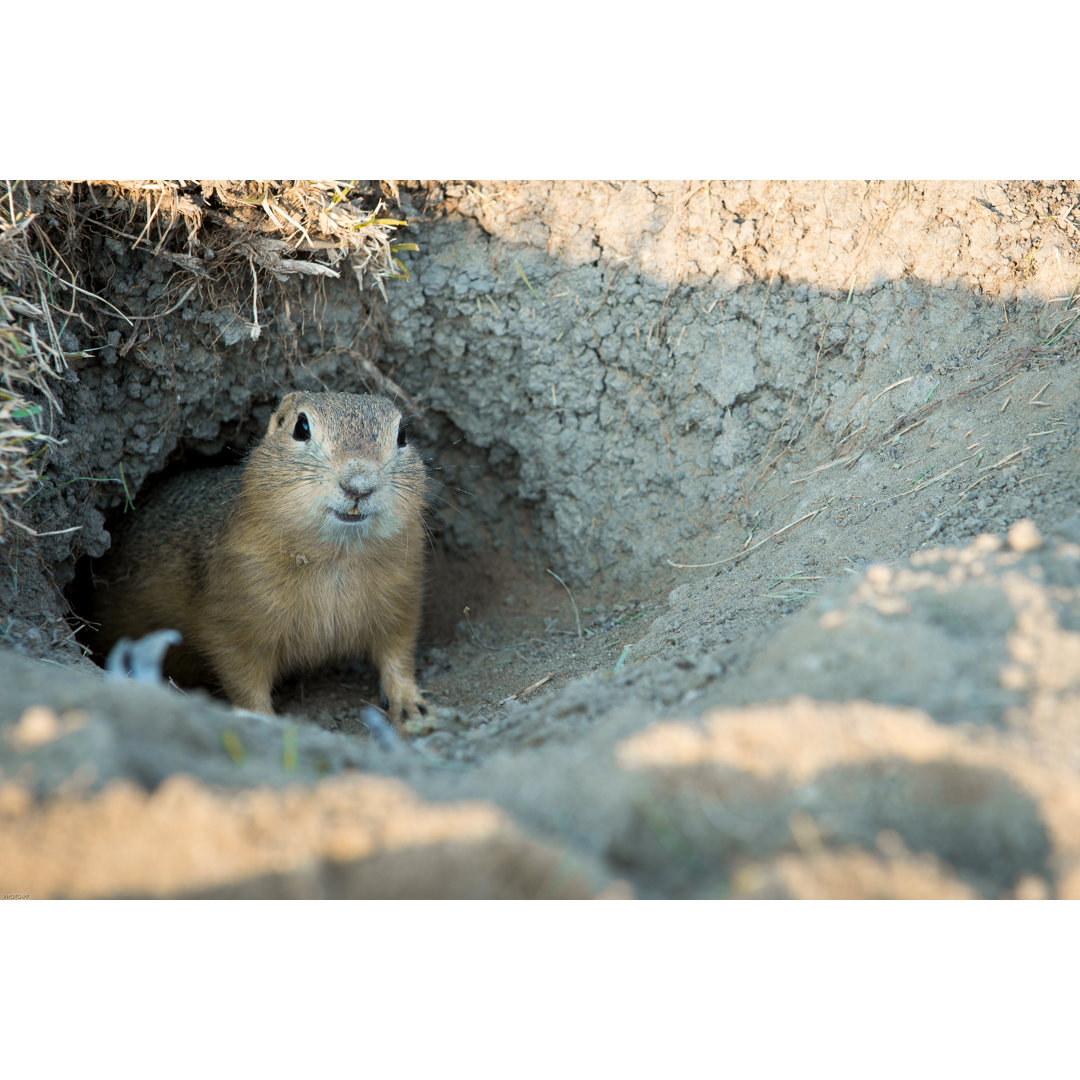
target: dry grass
<point>230,242</point>
<point>279,226</point>
<point>32,326</point>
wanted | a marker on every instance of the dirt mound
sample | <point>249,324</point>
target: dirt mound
<point>757,564</point>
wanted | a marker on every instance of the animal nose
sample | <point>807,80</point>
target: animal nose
<point>358,488</point>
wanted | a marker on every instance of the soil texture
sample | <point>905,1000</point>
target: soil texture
<point>755,562</point>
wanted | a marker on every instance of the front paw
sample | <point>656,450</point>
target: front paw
<point>405,708</point>
<point>436,718</point>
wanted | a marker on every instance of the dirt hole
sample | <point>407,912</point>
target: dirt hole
<point>489,617</point>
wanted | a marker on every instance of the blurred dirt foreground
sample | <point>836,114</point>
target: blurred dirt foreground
<point>755,565</point>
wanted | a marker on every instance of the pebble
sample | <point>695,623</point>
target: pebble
<point>1024,537</point>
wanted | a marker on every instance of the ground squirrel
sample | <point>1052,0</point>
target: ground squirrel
<point>311,551</point>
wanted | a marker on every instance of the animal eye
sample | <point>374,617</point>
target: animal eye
<point>401,433</point>
<point>302,431</point>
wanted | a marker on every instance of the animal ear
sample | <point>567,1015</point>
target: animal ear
<point>282,412</point>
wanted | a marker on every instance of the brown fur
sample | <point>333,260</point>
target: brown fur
<point>257,573</point>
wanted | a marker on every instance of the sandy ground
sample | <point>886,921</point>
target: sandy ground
<point>804,459</point>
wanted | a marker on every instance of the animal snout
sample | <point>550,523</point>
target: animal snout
<point>357,488</point>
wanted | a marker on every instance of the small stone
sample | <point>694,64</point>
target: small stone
<point>984,544</point>
<point>1024,537</point>
<point>1031,887</point>
<point>892,605</point>
<point>879,575</point>
<point>37,725</point>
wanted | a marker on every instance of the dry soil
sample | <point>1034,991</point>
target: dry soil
<point>755,564</point>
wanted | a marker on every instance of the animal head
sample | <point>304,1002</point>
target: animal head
<point>337,464</point>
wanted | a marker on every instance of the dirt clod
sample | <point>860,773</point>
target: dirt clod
<point>1024,537</point>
